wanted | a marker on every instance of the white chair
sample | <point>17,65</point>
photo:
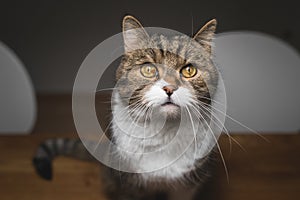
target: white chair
<point>17,97</point>
<point>261,75</point>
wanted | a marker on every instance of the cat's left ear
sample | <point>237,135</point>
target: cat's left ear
<point>134,34</point>
<point>205,35</point>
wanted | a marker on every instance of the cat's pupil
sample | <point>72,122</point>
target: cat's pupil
<point>188,69</point>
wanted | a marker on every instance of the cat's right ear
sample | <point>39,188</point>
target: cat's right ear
<point>134,34</point>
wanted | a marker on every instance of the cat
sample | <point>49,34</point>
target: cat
<point>162,81</point>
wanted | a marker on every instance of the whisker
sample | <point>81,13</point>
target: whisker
<point>218,146</point>
<point>145,122</point>
<point>133,107</point>
<point>221,126</point>
<point>104,89</point>
<point>213,100</point>
<point>194,132</point>
<point>140,108</point>
<point>236,121</point>
<point>192,25</point>
<point>99,141</point>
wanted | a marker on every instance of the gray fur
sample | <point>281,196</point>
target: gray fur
<point>174,53</point>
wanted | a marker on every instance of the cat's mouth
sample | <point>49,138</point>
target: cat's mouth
<point>169,103</point>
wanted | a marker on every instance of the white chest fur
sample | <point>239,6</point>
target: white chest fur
<point>164,149</point>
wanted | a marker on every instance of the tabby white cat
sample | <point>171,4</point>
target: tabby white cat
<point>161,104</point>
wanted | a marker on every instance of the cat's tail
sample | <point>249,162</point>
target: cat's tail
<point>52,148</point>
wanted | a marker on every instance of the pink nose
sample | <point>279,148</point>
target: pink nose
<point>169,89</point>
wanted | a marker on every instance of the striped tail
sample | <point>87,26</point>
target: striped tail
<point>51,148</point>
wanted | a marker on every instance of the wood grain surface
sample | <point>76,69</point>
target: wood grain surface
<point>264,170</point>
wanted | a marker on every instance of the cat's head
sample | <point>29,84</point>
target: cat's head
<point>166,73</point>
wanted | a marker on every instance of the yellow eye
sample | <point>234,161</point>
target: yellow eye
<point>149,71</point>
<point>189,71</point>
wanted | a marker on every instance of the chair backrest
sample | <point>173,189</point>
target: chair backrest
<point>261,75</point>
<point>17,97</point>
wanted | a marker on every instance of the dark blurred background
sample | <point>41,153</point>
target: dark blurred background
<point>52,37</point>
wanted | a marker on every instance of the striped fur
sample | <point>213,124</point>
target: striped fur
<point>52,148</point>
<point>173,53</point>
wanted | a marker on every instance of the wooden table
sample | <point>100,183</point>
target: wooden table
<point>266,170</point>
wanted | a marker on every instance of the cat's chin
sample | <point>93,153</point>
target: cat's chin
<point>170,110</point>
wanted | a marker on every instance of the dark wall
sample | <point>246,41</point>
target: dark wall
<point>53,37</point>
